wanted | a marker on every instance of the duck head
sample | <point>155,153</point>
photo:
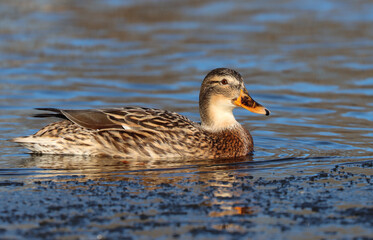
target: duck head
<point>223,90</point>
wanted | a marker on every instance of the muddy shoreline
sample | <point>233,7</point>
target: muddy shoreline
<point>336,203</point>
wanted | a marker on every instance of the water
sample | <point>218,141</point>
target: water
<point>309,62</point>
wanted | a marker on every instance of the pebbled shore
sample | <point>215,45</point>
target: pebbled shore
<point>336,202</point>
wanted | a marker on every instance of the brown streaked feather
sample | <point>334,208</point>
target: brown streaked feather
<point>116,118</point>
<point>165,134</point>
<point>92,119</point>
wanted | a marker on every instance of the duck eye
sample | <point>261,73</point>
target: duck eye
<point>224,81</point>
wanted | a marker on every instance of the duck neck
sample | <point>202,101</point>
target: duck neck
<point>217,114</point>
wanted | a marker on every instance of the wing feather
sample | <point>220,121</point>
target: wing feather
<point>124,119</point>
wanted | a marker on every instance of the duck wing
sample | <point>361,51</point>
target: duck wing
<point>127,118</point>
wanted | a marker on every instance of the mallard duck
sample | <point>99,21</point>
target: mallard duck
<point>147,133</point>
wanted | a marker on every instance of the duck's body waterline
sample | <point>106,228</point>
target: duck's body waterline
<point>134,132</point>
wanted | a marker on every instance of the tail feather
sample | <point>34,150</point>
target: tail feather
<point>28,139</point>
<point>49,109</point>
<point>47,145</point>
<point>27,142</point>
<point>57,113</point>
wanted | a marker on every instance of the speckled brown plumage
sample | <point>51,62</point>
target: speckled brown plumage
<point>135,132</point>
<point>165,134</point>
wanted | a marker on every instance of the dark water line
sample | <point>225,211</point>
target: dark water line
<point>359,162</point>
<point>243,163</point>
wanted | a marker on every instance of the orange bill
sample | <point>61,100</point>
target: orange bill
<point>246,102</point>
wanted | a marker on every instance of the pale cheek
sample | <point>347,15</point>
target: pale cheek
<point>225,104</point>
